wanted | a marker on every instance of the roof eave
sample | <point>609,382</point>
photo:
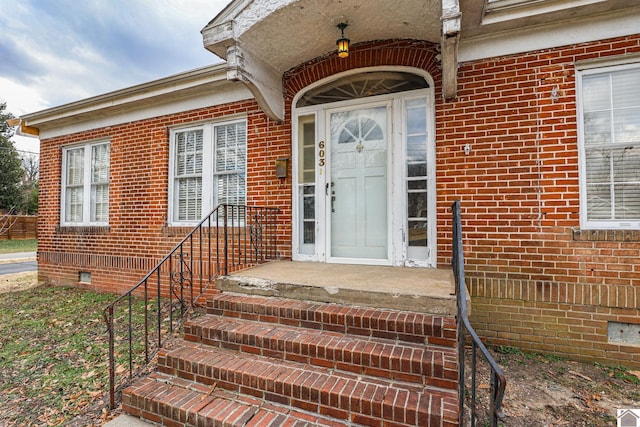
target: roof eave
<point>169,87</point>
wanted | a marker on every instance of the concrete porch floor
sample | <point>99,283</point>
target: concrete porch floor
<point>416,289</point>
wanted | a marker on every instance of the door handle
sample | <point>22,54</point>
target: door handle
<point>333,197</point>
<point>326,188</point>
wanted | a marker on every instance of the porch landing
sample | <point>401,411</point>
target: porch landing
<point>424,290</point>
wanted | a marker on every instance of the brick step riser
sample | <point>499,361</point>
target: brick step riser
<point>431,367</point>
<point>168,400</point>
<point>342,397</point>
<point>367,322</point>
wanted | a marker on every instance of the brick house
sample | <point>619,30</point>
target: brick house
<point>527,111</point>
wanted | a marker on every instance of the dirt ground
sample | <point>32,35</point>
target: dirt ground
<point>541,390</point>
<point>18,282</point>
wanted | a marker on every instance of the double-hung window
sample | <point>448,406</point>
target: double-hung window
<point>85,192</point>
<point>609,143</point>
<point>188,174</point>
<point>208,168</point>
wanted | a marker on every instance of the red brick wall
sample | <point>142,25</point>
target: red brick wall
<point>408,53</point>
<point>536,279</point>
<point>537,282</point>
<point>120,255</point>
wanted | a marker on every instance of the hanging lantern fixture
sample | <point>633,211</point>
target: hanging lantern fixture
<point>343,42</point>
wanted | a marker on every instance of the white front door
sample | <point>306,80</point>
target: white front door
<point>357,185</point>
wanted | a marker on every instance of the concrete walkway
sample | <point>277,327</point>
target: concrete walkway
<point>127,421</point>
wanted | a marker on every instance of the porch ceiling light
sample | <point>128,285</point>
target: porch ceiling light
<point>343,42</point>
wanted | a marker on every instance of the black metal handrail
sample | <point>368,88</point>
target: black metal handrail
<point>498,380</point>
<point>141,321</point>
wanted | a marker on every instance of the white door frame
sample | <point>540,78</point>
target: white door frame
<point>396,172</point>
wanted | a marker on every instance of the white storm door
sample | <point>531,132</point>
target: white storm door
<point>357,186</point>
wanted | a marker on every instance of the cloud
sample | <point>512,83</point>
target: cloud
<point>24,98</point>
<point>15,61</point>
<point>53,52</point>
<point>59,51</point>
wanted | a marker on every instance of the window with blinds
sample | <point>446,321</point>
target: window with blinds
<point>230,163</point>
<point>610,147</point>
<point>74,185</point>
<point>100,183</point>
<point>85,197</point>
<point>208,168</point>
<point>188,175</point>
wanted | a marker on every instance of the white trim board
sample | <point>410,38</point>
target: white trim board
<point>549,36</point>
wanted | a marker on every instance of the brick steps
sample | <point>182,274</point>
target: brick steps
<point>168,400</point>
<point>391,324</point>
<point>287,362</point>
<point>344,396</point>
<point>434,366</point>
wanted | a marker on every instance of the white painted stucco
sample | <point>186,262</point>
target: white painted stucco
<point>545,36</point>
<point>285,33</point>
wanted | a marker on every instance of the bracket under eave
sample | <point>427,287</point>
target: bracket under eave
<point>451,18</point>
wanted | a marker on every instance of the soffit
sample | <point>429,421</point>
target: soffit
<point>285,33</point>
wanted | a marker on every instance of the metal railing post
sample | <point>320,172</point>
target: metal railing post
<point>463,327</point>
<point>225,249</point>
<point>112,362</point>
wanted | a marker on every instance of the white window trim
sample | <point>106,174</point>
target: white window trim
<point>586,69</point>
<point>209,195</point>
<point>430,260</point>
<point>86,185</point>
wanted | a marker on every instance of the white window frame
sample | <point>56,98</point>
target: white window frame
<point>206,154</point>
<point>589,68</point>
<point>209,174</point>
<point>86,185</point>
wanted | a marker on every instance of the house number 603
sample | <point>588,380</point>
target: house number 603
<point>321,153</point>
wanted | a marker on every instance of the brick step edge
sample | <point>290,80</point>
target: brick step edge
<point>168,400</point>
<point>376,357</point>
<point>382,323</point>
<point>342,396</point>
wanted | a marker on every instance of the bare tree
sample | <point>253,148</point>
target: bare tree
<point>31,167</point>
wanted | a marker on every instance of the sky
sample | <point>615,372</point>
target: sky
<point>53,52</point>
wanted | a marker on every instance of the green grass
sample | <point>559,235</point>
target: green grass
<point>10,246</point>
<point>505,349</point>
<point>554,357</point>
<point>539,357</point>
<point>619,372</point>
<point>53,354</point>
